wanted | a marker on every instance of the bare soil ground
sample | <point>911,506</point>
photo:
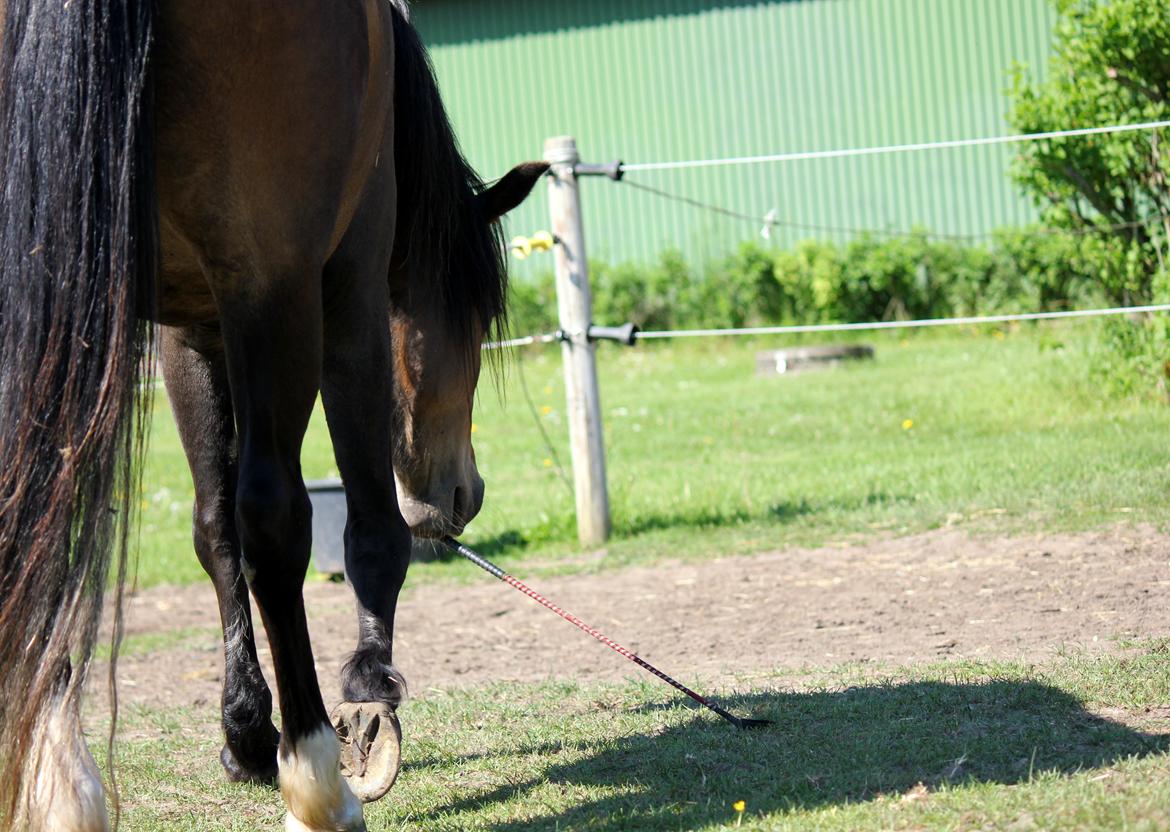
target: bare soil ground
<point>921,598</point>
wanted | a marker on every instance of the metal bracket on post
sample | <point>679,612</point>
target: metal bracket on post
<point>575,310</point>
<point>611,169</point>
<point>625,334</point>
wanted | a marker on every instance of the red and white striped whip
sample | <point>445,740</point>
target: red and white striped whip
<point>489,567</point>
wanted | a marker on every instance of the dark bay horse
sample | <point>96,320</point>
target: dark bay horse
<point>276,184</point>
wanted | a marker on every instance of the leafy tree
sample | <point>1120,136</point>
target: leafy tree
<point>1111,66</point>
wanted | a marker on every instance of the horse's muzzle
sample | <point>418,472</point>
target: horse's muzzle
<point>446,512</point>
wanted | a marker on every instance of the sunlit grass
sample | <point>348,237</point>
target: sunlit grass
<point>1078,743</point>
<point>990,429</point>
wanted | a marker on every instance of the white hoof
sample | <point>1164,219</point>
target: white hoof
<point>67,795</point>
<point>317,797</point>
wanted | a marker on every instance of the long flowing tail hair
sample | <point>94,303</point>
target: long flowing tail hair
<point>77,266</point>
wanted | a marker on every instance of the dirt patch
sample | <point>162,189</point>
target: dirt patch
<point>931,596</point>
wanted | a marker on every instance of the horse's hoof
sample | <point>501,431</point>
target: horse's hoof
<point>291,824</point>
<point>371,747</point>
<point>260,774</point>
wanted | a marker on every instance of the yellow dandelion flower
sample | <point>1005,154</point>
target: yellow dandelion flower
<point>907,424</point>
<point>739,805</point>
<point>546,410</point>
<point>547,462</point>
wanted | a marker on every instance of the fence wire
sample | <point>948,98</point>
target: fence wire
<point>921,323</point>
<point>768,221</point>
<point>894,148</point>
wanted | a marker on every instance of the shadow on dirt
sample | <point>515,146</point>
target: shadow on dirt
<point>827,748</point>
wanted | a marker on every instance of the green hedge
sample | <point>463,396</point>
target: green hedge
<point>869,279</point>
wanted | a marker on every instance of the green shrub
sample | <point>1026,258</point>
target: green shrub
<point>1110,65</point>
<point>869,279</point>
<point>810,282</point>
<point>646,296</point>
<point>532,305</point>
<point>1128,359</point>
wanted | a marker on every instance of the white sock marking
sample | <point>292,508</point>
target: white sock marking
<point>317,796</point>
<point>67,795</point>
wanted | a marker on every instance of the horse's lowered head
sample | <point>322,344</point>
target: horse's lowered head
<point>438,322</point>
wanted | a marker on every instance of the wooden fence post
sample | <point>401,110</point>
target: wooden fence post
<point>575,309</point>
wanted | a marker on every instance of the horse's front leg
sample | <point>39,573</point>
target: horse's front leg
<point>357,393</point>
<point>197,385</point>
<point>272,326</point>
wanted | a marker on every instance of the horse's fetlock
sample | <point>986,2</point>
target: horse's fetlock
<point>368,676</point>
<point>247,703</point>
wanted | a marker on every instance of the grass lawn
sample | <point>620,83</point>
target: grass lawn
<point>1077,743</point>
<point>995,430</point>
<point>988,428</point>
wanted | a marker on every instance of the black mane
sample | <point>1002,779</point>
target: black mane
<point>444,235</point>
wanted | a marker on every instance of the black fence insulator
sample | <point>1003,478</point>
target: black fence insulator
<point>611,169</point>
<point>625,334</point>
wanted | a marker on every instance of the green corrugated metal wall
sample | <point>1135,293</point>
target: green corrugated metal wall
<point>648,80</point>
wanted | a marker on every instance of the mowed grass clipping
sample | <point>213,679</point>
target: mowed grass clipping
<point>1077,743</point>
<point>989,428</point>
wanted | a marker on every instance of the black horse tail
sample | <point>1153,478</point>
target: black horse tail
<point>77,272</point>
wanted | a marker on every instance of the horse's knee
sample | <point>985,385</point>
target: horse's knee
<point>273,518</point>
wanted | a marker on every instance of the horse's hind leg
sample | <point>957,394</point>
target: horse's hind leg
<point>272,339</point>
<point>65,794</point>
<point>196,378</point>
<point>357,393</point>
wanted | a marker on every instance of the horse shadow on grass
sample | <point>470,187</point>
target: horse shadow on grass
<point>825,748</point>
<point>778,513</point>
